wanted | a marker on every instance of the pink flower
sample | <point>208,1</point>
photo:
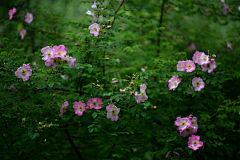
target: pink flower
<point>70,61</point>
<point>198,83</point>
<point>12,88</point>
<point>210,66</point>
<point>203,59</point>
<point>103,26</point>
<point>94,29</point>
<point>192,47</point>
<point>155,107</point>
<point>193,121</point>
<point>48,52</point>
<point>189,130</point>
<point>94,6</point>
<point>143,70</point>
<point>64,108</point>
<point>98,85</point>
<point>12,12</point>
<point>196,56</point>
<point>112,112</point>
<point>238,8</point>
<point>92,14</point>
<point>229,47</point>
<point>29,17</point>
<point>52,62</point>
<point>79,107</point>
<point>114,81</point>
<point>226,9</point>
<point>189,66</point>
<point>176,153</point>
<point>180,66</point>
<point>173,83</point>
<point>22,33</point>
<point>60,51</point>
<point>182,123</point>
<point>142,96</point>
<point>194,142</point>
<point>24,72</point>
<point>94,103</point>
<point>65,77</point>
<point>107,59</point>
<point>167,154</point>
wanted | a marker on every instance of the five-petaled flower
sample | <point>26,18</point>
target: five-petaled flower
<point>12,12</point>
<point>79,108</point>
<point>196,56</point>
<point>173,83</point>
<point>209,66</point>
<point>198,83</point>
<point>203,59</point>
<point>180,66</point>
<point>142,96</point>
<point>23,33</point>
<point>60,51</point>
<point>48,52</point>
<point>29,17</point>
<point>64,108</point>
<point>12,88</point>
<point>194,142</point>
<point>24,72</point>
<point>52,62</point>
<point>94,103</point>
<point>70,61</point>
<point>182,123</point>
<point>189,66</point>
<point>112,112</point>
<point>94,29</point>
<point>92,14</point>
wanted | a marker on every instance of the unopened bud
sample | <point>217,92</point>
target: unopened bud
<point>108,27</point>
<point>40,123</point>
<point>115,86</point>
<point>76,44</point>
<point>93,84</point>
<point>103,26</point>
<point>132,83</point>
<point>18,114</point>
<point>107,59</point>
<point>23,119</point>
<point>133,77</point>
<point>45,140</point>
<point>155,107</point>
<point>127,88</point>
<point>109,21</point>
<point>132,93</point>
<point>214,56</point>
<point>145,108</point>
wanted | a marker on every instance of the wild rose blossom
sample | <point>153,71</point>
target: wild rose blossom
<point>142,69</point>
<point>94,103</point>
<point>98,85</point>
<point>112,112</point>
<point>193,121</point>
<point>48,52</point>
<point>60,51</point>
<point>12,12</point>
<point>189,130</point>
<point>94,6</point>
<point>203,59</point>
<point>196,56</point>
<point>173,83</point>
<point>189,66</point>
<point>182,123</point>
<point>64,108</point>
<point>142,96</point>
<point>229,47</point>
<point>180,66</point>
<point>192,47</point>
<point>91,14</point>
<point>24,72</point>
<point>226,9</point>
<point>65,77</point>
<point>114,81</point>
<point>94,29</point>
<point>52,62</point>
<point>70,61</point>
<point>194,142</point>
<point>29,17</point>
<point>12,88</point>
<point>209,66</point>
<point>23,33</point>
<point>198,83</point>
<point>79,107</point>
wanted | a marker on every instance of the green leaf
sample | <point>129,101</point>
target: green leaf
<point>94,115</point>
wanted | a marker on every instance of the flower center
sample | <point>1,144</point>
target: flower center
<point>95,29</point>
<point>29,17</point>
<point>194,143</point>
<point>23,72</point>
<point>197,83</point>
<point>80,108</point>
<point>208,65</point>
<point>64,108</point>
<point>142,93</point>
<point>183,123</point>
<point>49,54</point>
<point>174,83</point>
<point>59,53</point>
<point>189,66</point>
<point>204,58</point>
<point>188,130</point>
<point>66,61</point>
<point>94,104</point>
<point>113,111</point>
<point>12,88</point>
<point>193,123</point>
<point>55,60</point>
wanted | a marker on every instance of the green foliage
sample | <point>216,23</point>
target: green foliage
<point>146,35</point>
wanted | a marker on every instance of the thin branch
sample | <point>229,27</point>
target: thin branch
<point>73,145</point>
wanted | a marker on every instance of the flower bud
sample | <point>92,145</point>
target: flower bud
<point>108,27</point>
<point>127,88</point>
<point>23,119</point>
<point>214,56</point>
<point>133,77</point>
<point>76,44</point>
<point>40,123</point>
<point>107,59</point>
<point>115,86</point>
<point>103,26</point>
<point>98,85</point>
<point>18,114</point>
<point>132,83</point>
<point>93,84</point>
<point>109,21</point>
<point>45,140</point>
<point>144,108</point>
<point>54,95</point>
<point>155,107</point>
